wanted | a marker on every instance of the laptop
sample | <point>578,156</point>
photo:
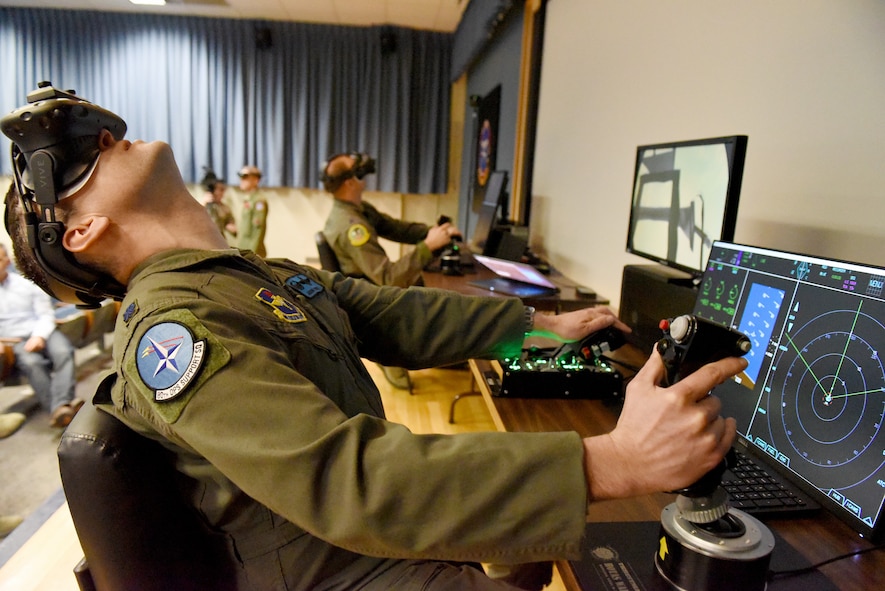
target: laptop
<point>811,404</point>
<point>513,278</point>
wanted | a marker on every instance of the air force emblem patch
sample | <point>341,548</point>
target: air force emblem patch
<point>169,359</point>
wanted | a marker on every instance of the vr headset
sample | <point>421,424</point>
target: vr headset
<point>54,152</point>
<point>363,165</point>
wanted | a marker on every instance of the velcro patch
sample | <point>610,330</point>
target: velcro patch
<point>358,234</point>
<point>304,285</point>
<point>169,359</point>
<point>173,358</point>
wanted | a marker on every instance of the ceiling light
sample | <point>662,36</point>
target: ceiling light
<point>149,2</point>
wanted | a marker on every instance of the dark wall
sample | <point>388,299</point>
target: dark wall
<point>499,63</point>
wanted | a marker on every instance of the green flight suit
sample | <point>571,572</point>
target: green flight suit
<point>353,232</point>
<point>252,227</point>
<point>250,371</point>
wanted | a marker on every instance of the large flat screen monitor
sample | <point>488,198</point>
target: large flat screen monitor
<point>685,196</point>
<point>493,206</point>
<point>811,403</point>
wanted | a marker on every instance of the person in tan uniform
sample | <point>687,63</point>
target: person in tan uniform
<point>354,227</point>
<point>213,199</point>
<point>252,227</point>
<point>250,371</point>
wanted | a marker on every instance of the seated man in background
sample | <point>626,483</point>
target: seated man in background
<point>249,370</point>
<point>42,353</point>
<point>354,227</point>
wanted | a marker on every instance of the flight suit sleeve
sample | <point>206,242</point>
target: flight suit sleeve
<point>421,327</point>
<point>394,229</point>
<point>360,483</point>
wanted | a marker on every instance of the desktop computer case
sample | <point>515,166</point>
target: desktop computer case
<point>650,293</point>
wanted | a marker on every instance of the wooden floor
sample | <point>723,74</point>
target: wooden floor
<point>46,560</point>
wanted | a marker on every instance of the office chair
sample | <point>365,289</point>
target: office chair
<point>137,530</point>
<point>328,260</point>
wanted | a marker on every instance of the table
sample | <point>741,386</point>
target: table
<point>566,300</point>
<point>817,538</point>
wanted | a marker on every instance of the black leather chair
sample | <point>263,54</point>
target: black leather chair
<point>137,530</point>
<point>328,260</point>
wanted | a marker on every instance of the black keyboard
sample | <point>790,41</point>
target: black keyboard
<point>754,489</point>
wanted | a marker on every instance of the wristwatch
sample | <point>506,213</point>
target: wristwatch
<point>529,319</point>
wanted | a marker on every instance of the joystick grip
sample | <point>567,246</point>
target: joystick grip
<point>690,342</point>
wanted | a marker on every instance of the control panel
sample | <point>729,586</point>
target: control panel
<point>573,370</point>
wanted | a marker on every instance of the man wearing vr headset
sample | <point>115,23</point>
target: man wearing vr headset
<point>250,371</point>
<point>354,227</point>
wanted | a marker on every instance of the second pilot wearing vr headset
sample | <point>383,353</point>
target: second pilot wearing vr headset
<point>354,227</point>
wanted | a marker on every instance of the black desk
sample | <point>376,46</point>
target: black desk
<point>817,538</point>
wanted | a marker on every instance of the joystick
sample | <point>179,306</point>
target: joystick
<point>450,257</point>
<point>703,543</point>
<point>691,341</point>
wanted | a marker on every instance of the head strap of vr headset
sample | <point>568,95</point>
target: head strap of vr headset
<point>54,151</point>
<point>363,165</point>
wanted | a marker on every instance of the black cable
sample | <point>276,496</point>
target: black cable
<point>801,571</point>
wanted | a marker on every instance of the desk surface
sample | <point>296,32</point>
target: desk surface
<point>567,299</point>
<point>817,538</point>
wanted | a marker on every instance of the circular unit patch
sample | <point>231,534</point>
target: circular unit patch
<point>169,359</point>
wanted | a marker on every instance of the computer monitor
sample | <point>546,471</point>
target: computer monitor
<point>685,196</point>
<point>493,205</point>
<point>811,403</point>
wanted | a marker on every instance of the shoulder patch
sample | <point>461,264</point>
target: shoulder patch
<point>172,359</point>
<point>358,234</point>
<point>304,285</point>
<point>283,308</point>
<point>169,359</point>
<point>131,309</point>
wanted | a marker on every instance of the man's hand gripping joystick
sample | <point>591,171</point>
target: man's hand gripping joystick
<point>704,544</point>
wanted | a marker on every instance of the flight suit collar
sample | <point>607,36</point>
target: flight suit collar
<point>169,260</point>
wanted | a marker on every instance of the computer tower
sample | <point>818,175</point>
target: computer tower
<point>650,293</point>
<point>506,242</point>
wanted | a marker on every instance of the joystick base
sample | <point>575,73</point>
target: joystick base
<point>696,557</point>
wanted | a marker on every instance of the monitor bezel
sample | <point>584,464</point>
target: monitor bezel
<point>732,197</point>
<point>492,209</point>
<point>875,534</point>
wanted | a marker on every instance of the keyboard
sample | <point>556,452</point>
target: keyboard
<point>761,492</point>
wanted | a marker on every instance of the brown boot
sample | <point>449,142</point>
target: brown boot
<point>64,414</point>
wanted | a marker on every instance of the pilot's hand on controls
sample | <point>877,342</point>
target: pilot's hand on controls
<point>440,236</point>
<point>666,438</point>
<point>574,326</point>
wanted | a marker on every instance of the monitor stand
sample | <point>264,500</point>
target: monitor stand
<point>650,293</point>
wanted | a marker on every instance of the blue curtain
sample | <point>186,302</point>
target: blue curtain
<point>282,96</point>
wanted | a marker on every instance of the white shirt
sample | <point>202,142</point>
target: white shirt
<point>25,310</point>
